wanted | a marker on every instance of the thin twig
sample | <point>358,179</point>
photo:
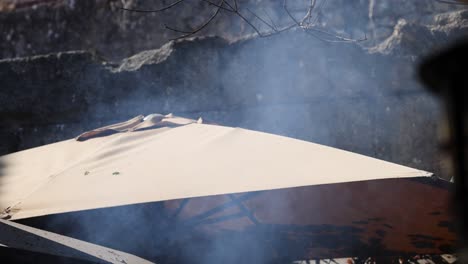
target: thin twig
<point>155,10</point>
<point>250,24</point>
<point>192,32</point>
<point>269,17</point>
<point>274,28</point>
<point>307,24</point>
<point>309,30</point>
<point>245,19</point>
<point>217,5</point>
<point>285,7</point>
<point>319,9</point>
<point>310,9</point>
<point>261,19</point>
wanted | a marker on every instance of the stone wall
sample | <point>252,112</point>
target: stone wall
<point>361,97</point>
<point>46,26</point>
<point>343,95</point>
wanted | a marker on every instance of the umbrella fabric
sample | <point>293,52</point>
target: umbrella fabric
<point>180,158</point>
<point>389,217</point>
<point>17,236</point>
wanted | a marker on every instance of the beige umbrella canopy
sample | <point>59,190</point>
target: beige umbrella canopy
<point>330,202</point>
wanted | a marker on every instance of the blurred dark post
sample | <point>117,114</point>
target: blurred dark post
<point>446,74</point>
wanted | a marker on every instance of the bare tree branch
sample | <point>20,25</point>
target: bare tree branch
<point>307,24</point>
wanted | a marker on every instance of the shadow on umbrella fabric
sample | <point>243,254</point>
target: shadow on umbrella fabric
<point>285,224</point>
<point>205,193</point>
<point>54,247</point>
